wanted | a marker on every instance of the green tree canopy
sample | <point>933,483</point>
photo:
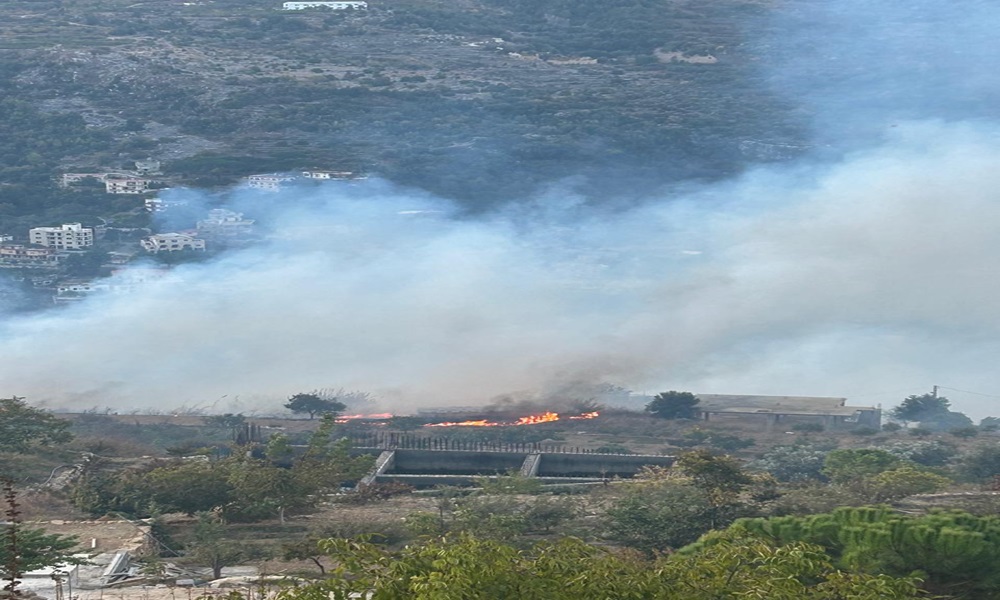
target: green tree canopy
<point>35,549</point>
<point>313,405</point>
<point>22,426</point>
<point>921,408</point>
<point>673,405</point>
<point>957,551</point>
<point>733,566</point>
<point>853,464</point>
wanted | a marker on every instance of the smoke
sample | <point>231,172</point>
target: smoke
<point>867,275</point>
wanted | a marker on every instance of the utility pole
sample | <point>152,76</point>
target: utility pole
<point>934,393</point>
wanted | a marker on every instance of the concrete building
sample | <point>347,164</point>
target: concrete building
<point>329,5</point>
<point>19,255</point>
<point>148,167</point>
<point>783,411</point>
<point>71,236</point>
<point>126,185</point>
<point>328,174</point>
<point>161,205</point>
<point>224,225</point>
<point>171,242</point>
<point>271,182</point>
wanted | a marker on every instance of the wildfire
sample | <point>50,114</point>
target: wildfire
<point>376,417</point>
<point>545,417</point>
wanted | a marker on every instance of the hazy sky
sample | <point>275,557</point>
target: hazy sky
<point>867,273</point>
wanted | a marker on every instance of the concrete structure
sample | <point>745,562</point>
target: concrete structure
<point>70,236</point>
<point>329,5</point>
<point>224,225</point>
<point>19,255</point>
<point>429,468</point>
<point>126,185</point>
<point>148,167</point>
<point>328,174</point>
<point>161,205</point>
<point>832,413</point>
<point>171,242</point>
<point>271,182</point>
<point>69,179</point>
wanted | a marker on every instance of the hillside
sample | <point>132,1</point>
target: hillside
<point>479,100</point>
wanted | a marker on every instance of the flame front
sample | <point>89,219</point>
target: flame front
<point>545,417</point>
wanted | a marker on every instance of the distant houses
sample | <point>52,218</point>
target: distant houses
<point>273,182</point>
<point>785,411</point>
<point>20,255</point>
<point>172,242</point>
<point>327,5</point>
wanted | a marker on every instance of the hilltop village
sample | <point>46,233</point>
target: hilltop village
<point>67,262</point>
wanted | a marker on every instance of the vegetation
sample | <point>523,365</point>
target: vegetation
<point>23,426</point>
<point>313,405</point>
<point>956,551</point>
<point>468,568</point>
<point>673,405</point>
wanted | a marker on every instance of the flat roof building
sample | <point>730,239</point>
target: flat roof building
<point>70,236</point>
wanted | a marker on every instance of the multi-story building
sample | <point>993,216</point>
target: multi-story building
<point>271,182</point>
<point>222,224</point>
<point>126,185</point>
<point>328,174</point>
<point>70,236</point>
<point>148,167</point>
<point>330,5</point>
<point>19,255</point>
<point>171,242</point>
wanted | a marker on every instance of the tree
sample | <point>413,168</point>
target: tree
<point>842,466</point>
<point>721,477</point>
<point>981,463</point>
<point>657,518</point>
<point>673,405</point>
<point>313,405</point>
<point>189,487</point>
<point>798,462</point>
<point>24,549</point>
<point>730,565</point>
<point>902,482</point>
<point>35,549</point>
<point>956,551</point>
<point>22,426</point>
<point>211,547</point>
<point>917,408</point>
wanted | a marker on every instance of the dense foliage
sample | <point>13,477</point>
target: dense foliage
<point>957,551</point>
<point>467,568</point>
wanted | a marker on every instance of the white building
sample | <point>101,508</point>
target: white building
<point>271,182</point>
<point>222,224</point>
<point>160,205</point>
<point>171,242</point>
<point>328,174</point>
<point>148,167</point>
<point>126,185</point>
<point>330,5</point>
<point>71,236</point>
<point>19,255</point>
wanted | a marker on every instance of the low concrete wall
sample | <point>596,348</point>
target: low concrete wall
<point>597,465</point>
<point>429,468</point>
<point>454,462</point>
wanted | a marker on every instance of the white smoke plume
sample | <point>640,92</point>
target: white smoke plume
<point>871,276</point>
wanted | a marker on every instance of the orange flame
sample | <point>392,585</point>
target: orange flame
<point>546,417</point>
<point>348,418</point>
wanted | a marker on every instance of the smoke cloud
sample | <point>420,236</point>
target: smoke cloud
<point>868,275</point>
